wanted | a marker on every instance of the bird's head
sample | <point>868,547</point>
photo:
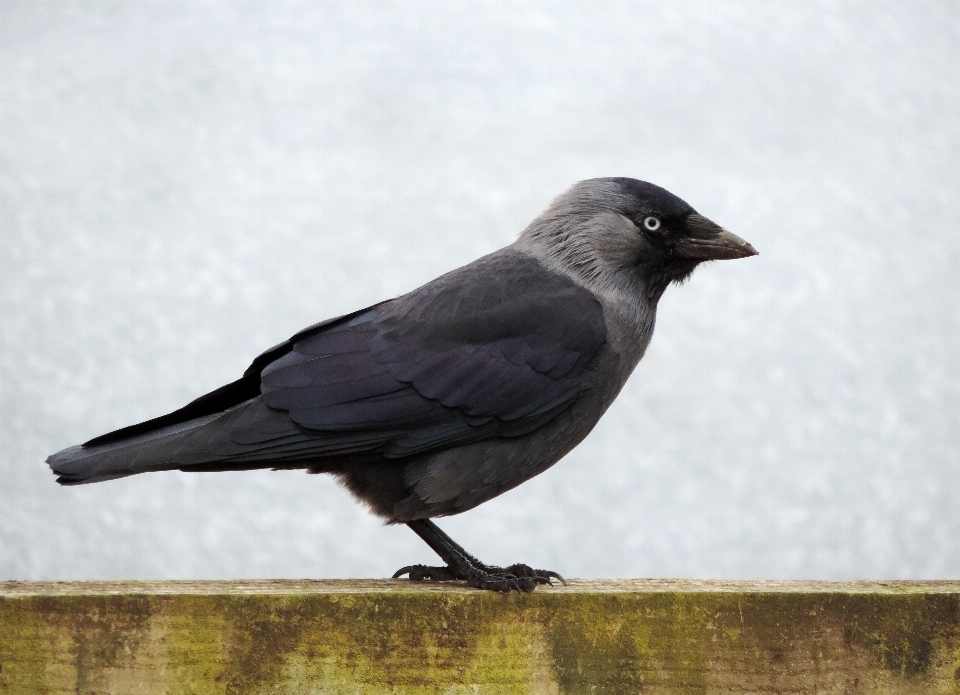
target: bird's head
<point>623,232</point>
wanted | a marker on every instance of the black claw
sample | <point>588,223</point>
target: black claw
<point>402,571</point>
<point>539,576</point>
<point>548,575</point>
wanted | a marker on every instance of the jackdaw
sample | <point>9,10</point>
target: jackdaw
<point>434,402</point>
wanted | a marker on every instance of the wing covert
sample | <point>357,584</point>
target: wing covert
<point>488,350</point>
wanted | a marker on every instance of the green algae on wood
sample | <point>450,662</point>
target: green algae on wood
<point>362,637</point>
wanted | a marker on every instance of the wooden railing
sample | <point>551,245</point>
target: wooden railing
<point>392,636</point>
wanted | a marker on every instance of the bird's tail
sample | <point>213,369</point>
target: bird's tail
<point>159,450</point>
<point>246,437</point>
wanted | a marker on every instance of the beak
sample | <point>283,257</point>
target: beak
<point>708,241</point>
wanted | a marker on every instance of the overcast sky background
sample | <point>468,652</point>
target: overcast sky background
<point>185,184</point>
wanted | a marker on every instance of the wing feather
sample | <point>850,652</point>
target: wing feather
<point>496,342</point>
<point>494,349</point>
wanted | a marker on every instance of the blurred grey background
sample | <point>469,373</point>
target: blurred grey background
<point>185,184</point>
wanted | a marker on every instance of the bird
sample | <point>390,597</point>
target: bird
<point>434,402</point>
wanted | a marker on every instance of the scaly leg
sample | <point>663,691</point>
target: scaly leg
<point>462,565</point>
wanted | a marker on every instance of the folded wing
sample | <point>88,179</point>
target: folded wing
<point>494,349</point>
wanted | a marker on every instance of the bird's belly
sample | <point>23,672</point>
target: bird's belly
<point>453,481</point>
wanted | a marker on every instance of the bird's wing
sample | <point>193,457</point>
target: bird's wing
<point>493,349</point>
<point>496,348</point>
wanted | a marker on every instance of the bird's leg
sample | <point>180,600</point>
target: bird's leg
<point>462,565</point>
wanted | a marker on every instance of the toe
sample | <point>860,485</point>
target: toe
<point>419,573</point>
<point>527,584</point>
<point>539,576</point>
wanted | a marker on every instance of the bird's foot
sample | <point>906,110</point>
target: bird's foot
<point>516,577</point>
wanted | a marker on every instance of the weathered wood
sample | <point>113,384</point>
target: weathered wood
<point>620,636</point>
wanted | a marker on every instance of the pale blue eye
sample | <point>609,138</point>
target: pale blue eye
<point>651,223</point>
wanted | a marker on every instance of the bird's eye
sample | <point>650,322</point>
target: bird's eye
<point>651,223</point>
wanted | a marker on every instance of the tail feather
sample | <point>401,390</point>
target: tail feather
<point>152,451</point>
<point>245,437</point>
